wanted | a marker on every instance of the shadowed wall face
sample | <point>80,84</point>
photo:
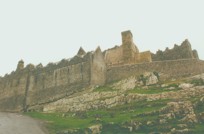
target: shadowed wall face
<point>33,87</point>
<point>167,69</point>
<point>12,91</point>
<point>98,68</point>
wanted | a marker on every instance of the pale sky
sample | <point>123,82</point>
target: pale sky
<point>43,31</point>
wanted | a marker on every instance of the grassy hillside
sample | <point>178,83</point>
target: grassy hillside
<point>185,114</point>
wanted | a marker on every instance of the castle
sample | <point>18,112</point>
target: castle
<point>33,86</point>
<point>127,53</point>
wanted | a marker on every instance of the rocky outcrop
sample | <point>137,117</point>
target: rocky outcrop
<point>118,96</point>
<point>180,110</point>
<point>95,129</point>
<point>149,78</point>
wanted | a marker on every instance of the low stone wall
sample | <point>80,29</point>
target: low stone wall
<point>167,69</point>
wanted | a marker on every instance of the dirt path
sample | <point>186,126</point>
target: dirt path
<point>12,123</point>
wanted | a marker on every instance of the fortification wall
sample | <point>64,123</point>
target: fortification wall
<point>114,55</point>
<point>31,87</point>
<point>12,91</point>
<point>49,86</point>
<point>184,51</point>
<point>98,68</point>
<point>144,57</point>
<point>36,86</point>
<point>167,69</point>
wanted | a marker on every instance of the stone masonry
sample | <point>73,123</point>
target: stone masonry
<point>184,51</point>
<point>127,53</point>
<point>32,86</point>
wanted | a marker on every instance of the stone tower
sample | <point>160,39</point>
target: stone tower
<point>20,65</point>
<point>98,68</point>
<point>129,48</point>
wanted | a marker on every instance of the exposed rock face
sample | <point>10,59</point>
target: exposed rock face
<point>150,78</point>
<point>186,85</point>
<point>96,100</point>
<point>183,110</point>
<point>178,52</point>
<point>96,129</point>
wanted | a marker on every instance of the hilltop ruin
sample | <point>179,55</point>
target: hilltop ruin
<point>34,86</point>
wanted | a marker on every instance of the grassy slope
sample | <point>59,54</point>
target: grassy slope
<point>115,115</point>
<point>113,119</point>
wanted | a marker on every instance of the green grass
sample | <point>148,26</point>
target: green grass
<point>152,90</point>
<point>199,108</point>
<point>197,82</point>
<point>198,129</point>
<point>82,120</point>
<point>114,118</point>
<point>103,89</point>
<point>57,123</point>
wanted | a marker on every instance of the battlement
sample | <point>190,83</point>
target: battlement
<point>184,51</point>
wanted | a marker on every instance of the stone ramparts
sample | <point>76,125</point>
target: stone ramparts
<point>167,69</point>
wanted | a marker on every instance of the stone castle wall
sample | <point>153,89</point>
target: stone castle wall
<point>127,53</point>
<point>144,57</point>
<point>184,51</point>
<point>12,91</point>
<point>37,86</point>
<point>114,56</point>
<point>167,69</point>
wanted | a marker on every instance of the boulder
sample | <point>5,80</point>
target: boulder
<point>152,79</point>
<point>96,129</point>
<point>185,85</point>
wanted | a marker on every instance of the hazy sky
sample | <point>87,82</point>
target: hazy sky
<point>42,31</point>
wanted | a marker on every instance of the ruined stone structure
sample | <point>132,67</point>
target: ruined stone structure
<point>32,86</point>
<point>184,51</point>
<point>20,65</point>
<point>127,53</point>
<point>39,85</point>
